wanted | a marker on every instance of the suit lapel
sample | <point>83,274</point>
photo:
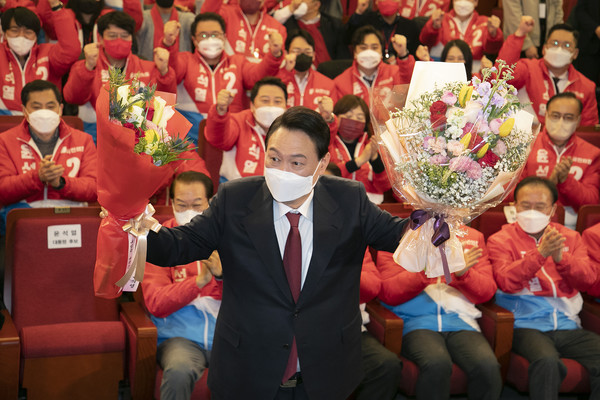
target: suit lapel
<point>327,222</point>
<point>261,231</point>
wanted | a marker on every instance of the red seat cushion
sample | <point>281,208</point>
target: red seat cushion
<point>72,339</point>
<point>201,391</point>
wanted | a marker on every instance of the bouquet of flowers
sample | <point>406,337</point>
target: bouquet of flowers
<point>140,139</point>
<point>452,153</point>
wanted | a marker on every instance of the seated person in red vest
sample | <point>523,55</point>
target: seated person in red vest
<point>353,151</point>
<point>249,27</point>
<point>209,69</point>
<point>305,85</point>
<point>43,161</point>
<point>241,135</point>
<point>368,72</point>
<point>329,33</point>
<point>382,367</point>
<point>540,79</point>
<point>440,321</point>
<point>184,300</point>
<point>150,34</point>
<point>114,49</point>
<point>85,16</point>
<point>540,268</point>
<point>570,162</point>
<point>591,238</point>
<point>23,60</point>
<point>482,33</point>
<point>387,20</point>
<point>422,8</point>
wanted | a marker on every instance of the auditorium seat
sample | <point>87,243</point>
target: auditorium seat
<point>591,136</point>
<point>73,345</point>
<point>587,216</point>
<point>333,68</point>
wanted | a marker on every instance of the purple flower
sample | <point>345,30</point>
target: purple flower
<point>497,100</point>
<point>438,159</point>
<point>484,89</point>
<point>449,98</point>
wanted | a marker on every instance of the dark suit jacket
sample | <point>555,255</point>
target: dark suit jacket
<point>587,13</point>
<point>258,317</point>
<point>333,32</point>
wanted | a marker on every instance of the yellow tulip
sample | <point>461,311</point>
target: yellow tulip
<point>151,135</point>
<point>506,127</point>
<point>465,95</point>
<point>465,140</point>
<point>159,107</point>
<point>483,150</point>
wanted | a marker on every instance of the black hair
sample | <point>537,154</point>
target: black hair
<point>362,32</point>
<point>565,95</point>
<point>117,18</point>
<point>350,102</point>
<point>308,121</point>
<point>299,33</point>
<point>80,7</point>
<point>465,49</point>
<point>192,177</point>
<point>564,27</point>
<point>208,16</point>
<point>537,181</point>
<point>39,86</point>
<point>269,80</point>
<point>23,17</point>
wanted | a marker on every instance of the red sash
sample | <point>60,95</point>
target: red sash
<point>321,52</point>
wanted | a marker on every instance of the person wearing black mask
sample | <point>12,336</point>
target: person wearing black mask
<point>305,86</point>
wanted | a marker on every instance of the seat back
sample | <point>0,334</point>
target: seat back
<point>397,209</point>
<point>587,216</point>
<point>212,156</point>
<point>589,134</point>
<point>10,121</point>
<point>333,68</point>
<point>46,285</point>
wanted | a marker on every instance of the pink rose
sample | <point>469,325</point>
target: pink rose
<point>449,98</point>
<point>500,148</point>
<point>495,125</point>
<point>474,170</point>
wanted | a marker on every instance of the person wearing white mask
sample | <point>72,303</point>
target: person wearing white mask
<point>43,161</point>
<point>539,79</point>
<point>202,73</point>
<point>292,244</point>
<point>482,33</point>
<point>184,300</point>
<point>567,160</point>
<point>540,268</point>
<point>23,60</point>
<point>368,73</point>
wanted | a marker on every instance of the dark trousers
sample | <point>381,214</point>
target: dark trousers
<point>543,350</point>
<point>382,371</point>
<point>434,353</point>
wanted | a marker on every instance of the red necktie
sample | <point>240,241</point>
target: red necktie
<point>292,263</point>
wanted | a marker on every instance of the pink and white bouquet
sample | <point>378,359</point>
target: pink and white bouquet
<point>452,152</point>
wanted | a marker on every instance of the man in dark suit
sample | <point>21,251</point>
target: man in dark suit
<point>260,324</point>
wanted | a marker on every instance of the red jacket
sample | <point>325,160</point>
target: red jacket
<point>533,75</point>
<point>516,262</point>
<point>92,81</point>
<point>591,238</point>
<point>19,165</point>
<point>252,42</point>
<point>166,290</point>
<point>46,61</point>
<point>370,281</point>
<point>318,85</point>
<point>399,285</point>
<point>202,83</point>
<point>583,183</point>
<point>408,8</point>
<point>350,81</point>
<point>376,183</point>
<point>476,34</point>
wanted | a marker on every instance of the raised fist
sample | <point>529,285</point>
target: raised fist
<point>224,99</point>
<point>492,25</point>
<point>399,43</point>
<point>436,18</point>
<point>171,32</point>
<point>275,44</point>
<point>290,61</point>
<point>525,26</point>
<point>161,59</point>
<point>91,51</point>
<point>325,104</point>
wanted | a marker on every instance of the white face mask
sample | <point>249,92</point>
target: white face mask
<point>186,216</point>
<point>44,121</point>
<point>287,186</point>
<point>533,221</point>
<point>463,8</point>
<point>211,47</point>
<point>560,130</point>
<point>557,57</point>
<point>20,45</point>
<point>368,59</point>
<point>301,10</point>
<point>267,114</point>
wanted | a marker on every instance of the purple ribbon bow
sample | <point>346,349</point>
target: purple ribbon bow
<point>441,233</point>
